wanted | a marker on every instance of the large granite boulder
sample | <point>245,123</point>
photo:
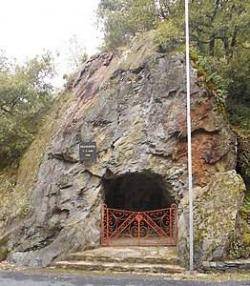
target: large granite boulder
<point>215,217</point>
<point>133,106</point>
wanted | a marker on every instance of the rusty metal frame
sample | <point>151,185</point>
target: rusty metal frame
<point>123,227</point>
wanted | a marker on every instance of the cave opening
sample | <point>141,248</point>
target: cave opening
<point>144,191</point>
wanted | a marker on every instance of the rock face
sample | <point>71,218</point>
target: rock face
<point>243,162</point>
<point>133,107</point>
<point>240,246</point>
<point>215,215</point>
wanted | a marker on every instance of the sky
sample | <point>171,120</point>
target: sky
<point>29,27</point>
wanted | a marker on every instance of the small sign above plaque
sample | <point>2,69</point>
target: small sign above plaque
<point>87,152</point>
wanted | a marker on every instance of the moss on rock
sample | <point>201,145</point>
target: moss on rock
<point>216,208</point>
<point>3,253</point>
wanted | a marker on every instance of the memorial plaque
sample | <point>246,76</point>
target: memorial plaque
<point>87,152</point>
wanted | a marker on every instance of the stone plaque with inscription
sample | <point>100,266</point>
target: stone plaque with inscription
<point>87,152</point>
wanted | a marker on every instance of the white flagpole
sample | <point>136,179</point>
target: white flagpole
<point>189,136</point>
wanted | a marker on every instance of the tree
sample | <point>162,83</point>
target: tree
<point>122,19</point>
<point>25,94</point>
<point>217,26</point>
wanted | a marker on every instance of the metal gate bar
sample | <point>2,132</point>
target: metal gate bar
<point>123,227</point>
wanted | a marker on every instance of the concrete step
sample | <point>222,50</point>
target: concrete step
<point>148,260</point>
<point>119,267</point>
<point>149,255</point>
<point>124,259</point>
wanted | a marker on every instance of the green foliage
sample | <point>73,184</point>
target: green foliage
<point>220,30</point>
<point>239,89</point>
<point>168,35</point>
<point>240,115</point>
<point>247,203</point>
<point>25,93</point>
<point>3,253</point>
<point>122,19</point>
<point>209,77</point>
<point>216,26</point>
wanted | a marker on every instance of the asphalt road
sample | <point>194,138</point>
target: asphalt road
<point>22,279</point>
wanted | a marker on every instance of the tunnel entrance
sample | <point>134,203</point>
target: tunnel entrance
<point>138,209</point>
<point>136,192</point>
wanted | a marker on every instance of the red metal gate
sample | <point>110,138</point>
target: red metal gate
<point>122,227</point>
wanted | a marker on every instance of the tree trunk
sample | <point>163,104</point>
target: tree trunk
<point>211,46</point>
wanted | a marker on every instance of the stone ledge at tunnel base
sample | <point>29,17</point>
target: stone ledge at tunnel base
<point>227,265</point>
